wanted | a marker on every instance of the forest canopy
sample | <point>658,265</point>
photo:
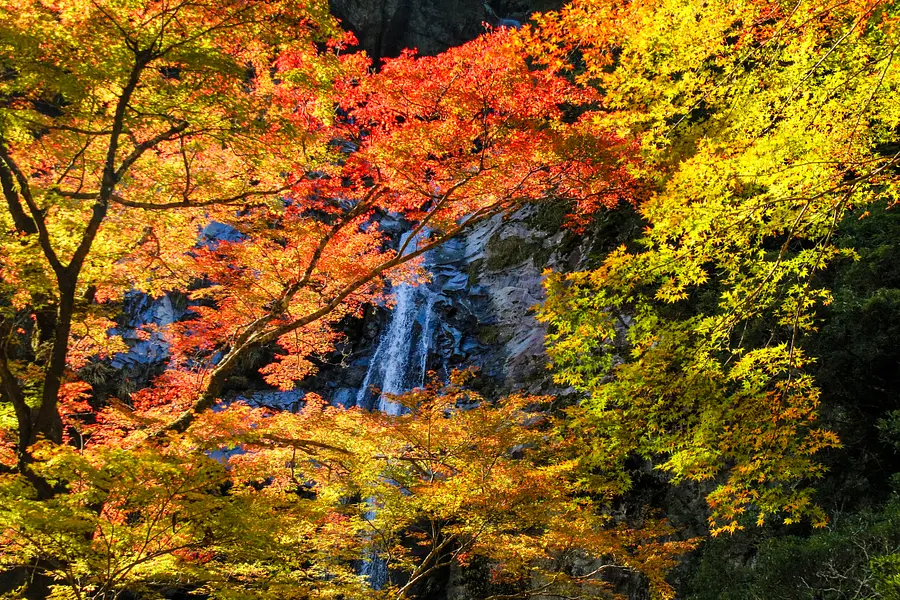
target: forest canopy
<point>244,155</point>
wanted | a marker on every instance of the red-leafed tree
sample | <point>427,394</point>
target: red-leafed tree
<point>128,128</point>
<point>169,117</point>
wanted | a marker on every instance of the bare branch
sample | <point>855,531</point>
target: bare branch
<point>37,215</point>
<point>217,377</point>
<point>169,134</point>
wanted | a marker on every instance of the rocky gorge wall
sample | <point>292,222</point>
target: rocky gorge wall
<point>386,27</point>
<point>477,311</point>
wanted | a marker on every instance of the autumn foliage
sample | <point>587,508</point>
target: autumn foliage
<point>762,124</point>
<point>132,132</point>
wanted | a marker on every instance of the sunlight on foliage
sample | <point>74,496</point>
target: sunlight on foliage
<point>762,124</point>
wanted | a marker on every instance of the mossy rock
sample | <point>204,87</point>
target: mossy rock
<point>549,216</point>
<point>474,271</point>
<point>503,253</point>
<point>489,334</point>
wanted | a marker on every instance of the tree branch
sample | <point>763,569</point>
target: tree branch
<point>46,420</point>
<point>225,201</point>
<point>218,376</point>
<point>169,134</point>
<point>23,223</point>
<point>36,214</point>
<point>426,567</point>
<point>303,444</point>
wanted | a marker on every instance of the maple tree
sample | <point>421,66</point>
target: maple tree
<point>113,113</point>
<point>126,130</point>
<point>761,124</point>
<point>143,519</point>
<point>111,173</point>
<point>463,478</point>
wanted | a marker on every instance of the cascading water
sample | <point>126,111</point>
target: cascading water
<point>399,364</point>
<point>401,357</point>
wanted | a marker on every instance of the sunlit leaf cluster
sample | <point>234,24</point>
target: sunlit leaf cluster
<point>762,124</point>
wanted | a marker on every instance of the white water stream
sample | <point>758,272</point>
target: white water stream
<point>399,365</point>
<point>401,359</point>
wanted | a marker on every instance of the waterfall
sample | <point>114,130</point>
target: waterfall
<point>401,358</point>
<point>399,364</point>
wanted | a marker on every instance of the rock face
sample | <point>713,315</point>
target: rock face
<point>476,310</point>
<point>386,27</point>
